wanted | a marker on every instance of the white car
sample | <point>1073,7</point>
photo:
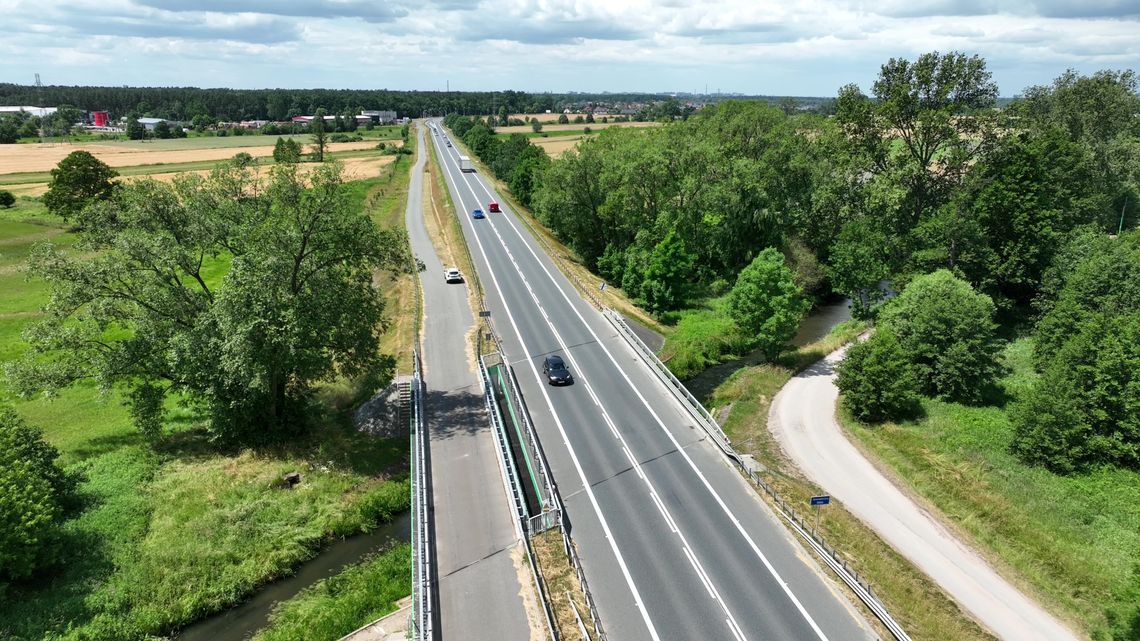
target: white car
<point>452,275</point>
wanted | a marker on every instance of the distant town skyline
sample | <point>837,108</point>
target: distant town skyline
<point>799,48</point>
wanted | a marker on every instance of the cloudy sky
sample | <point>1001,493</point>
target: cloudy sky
<point>790,47</point>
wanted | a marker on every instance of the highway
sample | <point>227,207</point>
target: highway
<point>674,542</point>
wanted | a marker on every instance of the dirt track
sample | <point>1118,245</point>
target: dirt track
<point>802,420</point>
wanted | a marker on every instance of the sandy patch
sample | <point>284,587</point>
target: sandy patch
<point>44,157</point>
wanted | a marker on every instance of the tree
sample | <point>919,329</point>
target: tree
<point>35,496</point>
<point>766,303</point>
<point>200,121</point>
<point>320,137</point>
<point>878,381</point>
<point>859,264</point>
<point>1085,408</point>
<point>135,129</point>
<point>590,118</point>
<point>287,150</point>
<point>563,119</point>
<point>6,199</point>
<point>947,332</point>
<point>162,130</point>
<point>9,133</point>
<point>78,180</point>
<point>670,268</point>
<point>139,308</point>
<point>941,109</point>
<point>535,126</point>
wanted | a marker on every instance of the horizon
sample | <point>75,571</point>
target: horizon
<point>799,49</point>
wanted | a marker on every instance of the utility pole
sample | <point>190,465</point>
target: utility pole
<point>1120,229</point>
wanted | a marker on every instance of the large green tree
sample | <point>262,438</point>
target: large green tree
<point>669,271</point>
<point>947,331</point>
<point>878,380</point>
<point>35,496</point>
<point>766,303</point>
<point>151,310</point>
<point>1085,408</point>
<point>79,180</point>
<point>929,120</point>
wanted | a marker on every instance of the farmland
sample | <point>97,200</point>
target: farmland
<point>156,544</point>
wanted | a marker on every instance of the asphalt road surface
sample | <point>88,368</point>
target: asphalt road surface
<point>674,543</point>
<point>802,419</point>
<point>475,529</point>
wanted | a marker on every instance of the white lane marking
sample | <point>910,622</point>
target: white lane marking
<point>569,448</point>
<point>701,575</point>
<point>708,486</point>
<point>605,415</point>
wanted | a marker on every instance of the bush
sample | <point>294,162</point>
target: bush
<point>6,199</point>
<point>877,380</point>
<point>703,338</point>
<point>766,302</point>
<point>947,331</point>
<point>35,495</point>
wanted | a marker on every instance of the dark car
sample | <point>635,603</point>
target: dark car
<point>477,213</point>
<point>555,369</point>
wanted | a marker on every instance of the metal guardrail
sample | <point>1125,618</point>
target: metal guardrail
<point>708,423</point>
<point>830,556</point>
<point>510,475</point>
<point>422,587</point>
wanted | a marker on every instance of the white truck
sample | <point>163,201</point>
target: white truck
<point>465,164</point>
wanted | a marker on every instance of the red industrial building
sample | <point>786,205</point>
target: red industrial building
<point>99,118</point>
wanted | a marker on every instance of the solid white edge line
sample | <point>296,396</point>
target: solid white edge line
<point>605,415</point>
<point>708,486</point>
<point>562,431</point>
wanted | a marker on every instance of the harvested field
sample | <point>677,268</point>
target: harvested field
<point>16,159</point>
<point>354,169</point>
<point>523,129</point>
<point>555,147</point>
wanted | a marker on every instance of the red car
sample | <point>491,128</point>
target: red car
<point>493,206</point>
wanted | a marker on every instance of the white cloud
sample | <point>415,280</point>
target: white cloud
<point>802,47</point>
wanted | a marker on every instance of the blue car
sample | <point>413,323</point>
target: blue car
<point>477,213</point>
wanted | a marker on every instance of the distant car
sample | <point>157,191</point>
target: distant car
<point>452,275</point>
<point>555,369</point>
<point>493,207</point>
<point>477,213</point>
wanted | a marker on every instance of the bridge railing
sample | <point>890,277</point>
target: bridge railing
<point>422,541</point>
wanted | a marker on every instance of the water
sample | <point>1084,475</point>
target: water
<point>821,321</point>
<point>242,621</point>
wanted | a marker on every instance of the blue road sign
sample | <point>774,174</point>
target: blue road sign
<point>820,500</point>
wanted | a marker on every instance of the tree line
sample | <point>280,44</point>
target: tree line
<point>514,161</point>
<point>981,216</point>
<point>184,103</point>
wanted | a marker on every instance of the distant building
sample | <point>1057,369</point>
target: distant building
<point>379,117</point>
<point>151,123</point>
<point>33,111</point>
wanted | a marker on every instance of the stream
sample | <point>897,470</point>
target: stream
<point>818,324</point>
<point>242,621</point>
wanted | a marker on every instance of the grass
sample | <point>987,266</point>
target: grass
<point>703,337</point>
<point>561,584</point>
<point>384,198</point>
<point>338,605</point>
<point>169,535</point>
<point>1073,540</point>
<point>918,604</point>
